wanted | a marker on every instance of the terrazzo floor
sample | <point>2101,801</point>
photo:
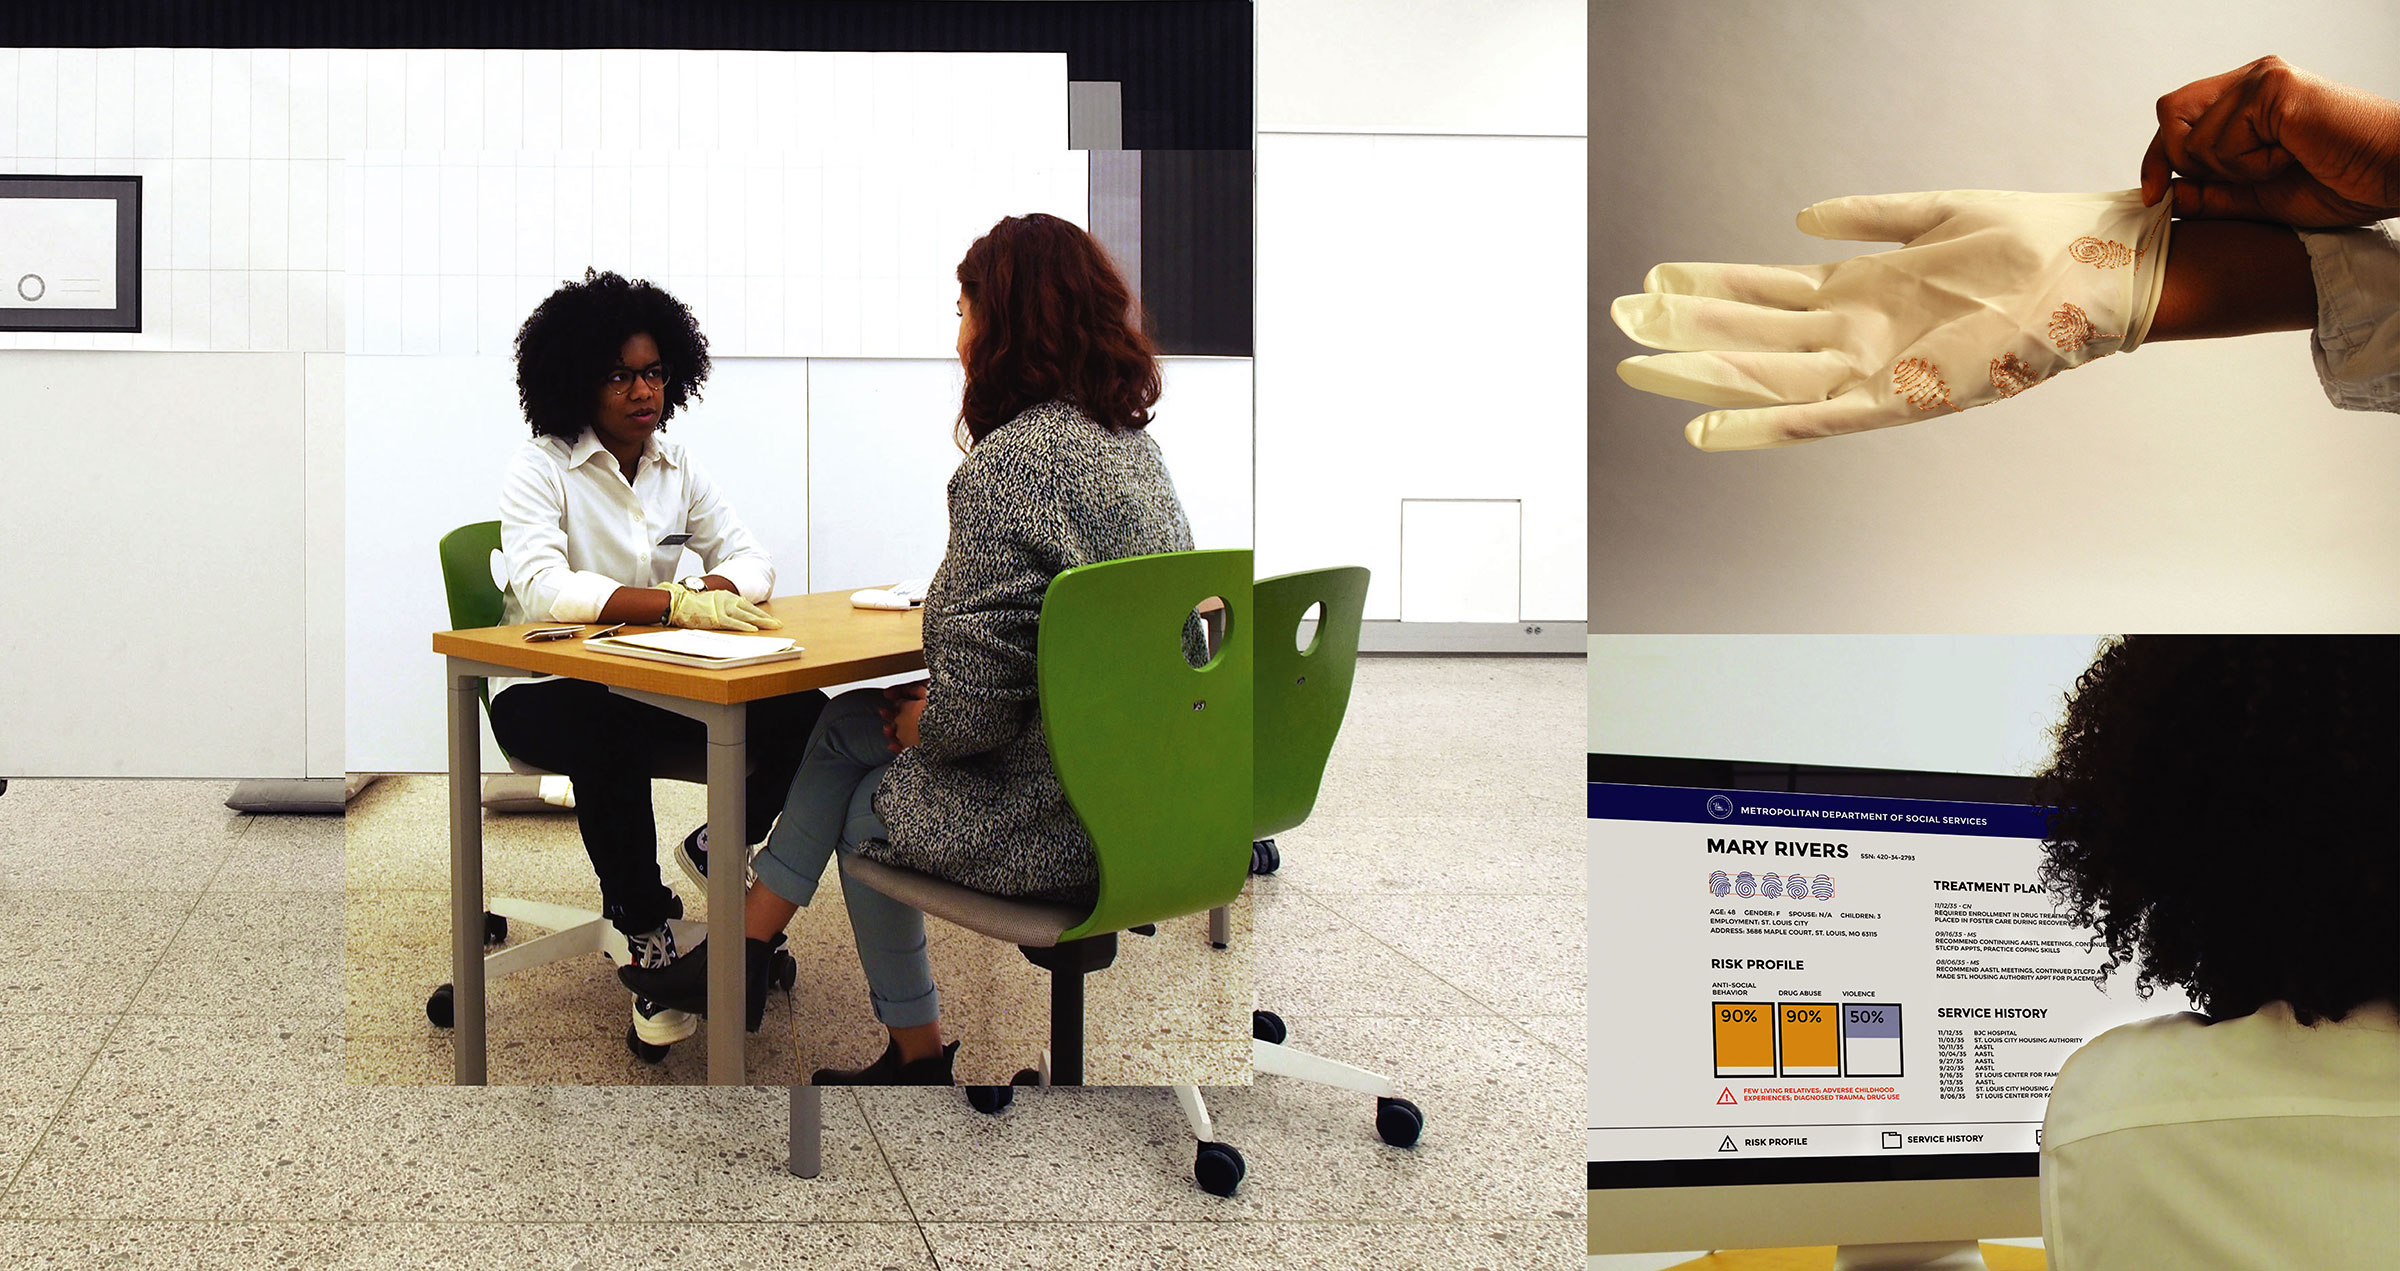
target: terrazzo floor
<point>185,1051</point>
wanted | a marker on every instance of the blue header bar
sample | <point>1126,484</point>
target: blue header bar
<point>1608,802</point>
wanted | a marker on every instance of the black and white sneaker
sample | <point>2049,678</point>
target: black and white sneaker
<point>692,855</point>
<point>656,1024</point>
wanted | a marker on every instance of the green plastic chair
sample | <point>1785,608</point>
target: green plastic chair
<point>1154,756</point>
<point>475,600</point>
<point>1303,693</point>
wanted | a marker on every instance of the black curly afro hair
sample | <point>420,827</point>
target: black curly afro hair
<point>570,344</point>
<point>2227,816</point>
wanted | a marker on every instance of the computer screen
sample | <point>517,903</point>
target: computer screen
<point>1813,975</point>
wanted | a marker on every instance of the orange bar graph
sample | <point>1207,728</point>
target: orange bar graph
<point>1810,1034</point>
<point>1745,1033</point>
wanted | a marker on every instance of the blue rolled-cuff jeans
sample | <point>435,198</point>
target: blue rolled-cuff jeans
<point>830,811</point>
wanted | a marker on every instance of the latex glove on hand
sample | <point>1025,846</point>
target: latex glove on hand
<point>1992,292</point>
<point>716,611</point>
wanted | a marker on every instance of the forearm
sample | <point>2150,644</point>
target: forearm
<point>2228,278</point>
<point>646,606</point>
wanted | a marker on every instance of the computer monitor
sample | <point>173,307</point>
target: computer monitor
<point>1826,1005</point>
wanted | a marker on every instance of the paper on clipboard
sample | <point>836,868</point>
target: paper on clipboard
<point>700,648</point>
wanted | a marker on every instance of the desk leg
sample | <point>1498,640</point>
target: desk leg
<point>808,1130</point>
<point>728,775</point>
<point>466,879</point>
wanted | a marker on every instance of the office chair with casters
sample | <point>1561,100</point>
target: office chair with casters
<point>1153,754</point>
<point>1304,680</point>
<point>1302,692</point>
<point>475,601</point>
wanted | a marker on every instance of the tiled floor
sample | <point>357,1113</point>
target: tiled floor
<point>174,1047</point>
<point>1171,1009</point>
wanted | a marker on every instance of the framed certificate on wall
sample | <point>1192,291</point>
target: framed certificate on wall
<point>70,253</point>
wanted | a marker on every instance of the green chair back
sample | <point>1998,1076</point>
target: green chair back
<point>1302,693</point>
<point>467,579</point>
<point>467,575</point>
<point>1153,753</point>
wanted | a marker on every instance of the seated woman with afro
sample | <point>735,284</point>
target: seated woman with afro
<point>2227,823</point>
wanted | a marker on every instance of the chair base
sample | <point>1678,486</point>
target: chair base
<point>1068,963</point>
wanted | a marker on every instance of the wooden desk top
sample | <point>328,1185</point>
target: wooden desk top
<point>844,644</point>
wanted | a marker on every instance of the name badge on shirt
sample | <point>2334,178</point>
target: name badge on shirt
<point>675,540</point>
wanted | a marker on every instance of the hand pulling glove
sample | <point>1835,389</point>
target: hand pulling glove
<point>1993,292</point>
<point>716,611</point>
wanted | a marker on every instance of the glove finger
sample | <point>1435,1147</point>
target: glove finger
<point>761,618</point>
<point>1858,410</point>
<point>1700,322</point>
<point>1739,378</point>
<point>1775,286</point>
<point>1876,218</point>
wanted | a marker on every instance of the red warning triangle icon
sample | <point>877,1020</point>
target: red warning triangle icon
<point>1726,1099</point>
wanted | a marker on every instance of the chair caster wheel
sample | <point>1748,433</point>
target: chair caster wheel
<point>783,972</point>
<point>1026,1077</point>
<point>1218,1169</point>
<point>1398,1122</point>
<point>440,1008</point>
<point>1267,1026</point>
<point>1264,859</point>
<point>990,1100</point>
<point>643,1050</point>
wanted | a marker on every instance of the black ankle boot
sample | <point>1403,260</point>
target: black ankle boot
<point>683,984</point>
<point>891,1071</point>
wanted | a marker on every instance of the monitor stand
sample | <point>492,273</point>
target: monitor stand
<point>1939,1255</point>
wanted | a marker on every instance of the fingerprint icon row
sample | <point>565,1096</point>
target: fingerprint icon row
<point>1771,886</point>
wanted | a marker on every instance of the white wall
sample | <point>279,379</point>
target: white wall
<point>1452,67</point>
<point>156,507</point>
<point>818,253</point>
<point>1421,336</point>
<point>1933,703</point>
<point>2197,486</point>
<point>241,150</point>
<point>1421,194</point>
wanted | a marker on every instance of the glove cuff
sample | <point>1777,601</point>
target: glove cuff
<point>2150,275</point>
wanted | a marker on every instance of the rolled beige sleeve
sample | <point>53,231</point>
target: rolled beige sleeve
<point>2357,340</point>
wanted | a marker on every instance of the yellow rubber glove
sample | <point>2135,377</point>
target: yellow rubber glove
<point>716,611</point>
<point>1992,293</point>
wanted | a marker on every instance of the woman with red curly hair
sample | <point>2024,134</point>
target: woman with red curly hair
<point>949,775</point>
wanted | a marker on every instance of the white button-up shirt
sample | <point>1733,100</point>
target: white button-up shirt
<point>574,530</point>
<point>2255,1142</point>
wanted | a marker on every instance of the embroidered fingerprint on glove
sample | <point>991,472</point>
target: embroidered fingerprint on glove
<point>2102,253</point>
<point>2071,329</point>
<point>2012,376</point>
<point>1916,381</point>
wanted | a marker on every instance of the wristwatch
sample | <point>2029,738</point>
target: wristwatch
<point>696,582</point>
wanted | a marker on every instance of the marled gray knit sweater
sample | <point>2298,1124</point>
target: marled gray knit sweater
<point>976,800</point>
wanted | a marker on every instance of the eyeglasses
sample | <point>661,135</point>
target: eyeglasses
<point>620,381</point>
